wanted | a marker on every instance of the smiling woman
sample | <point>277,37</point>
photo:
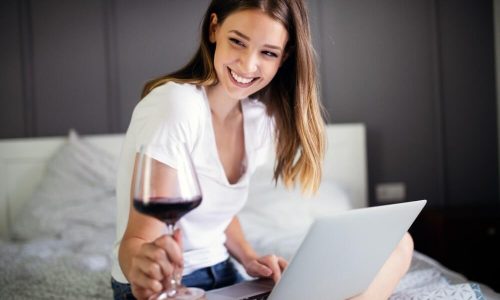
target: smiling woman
<point>250,88</point>
<point>291,97</point>
<point>381,66</point>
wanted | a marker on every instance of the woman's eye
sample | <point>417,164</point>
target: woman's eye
<point>236,42</point>
<point>270,54</point>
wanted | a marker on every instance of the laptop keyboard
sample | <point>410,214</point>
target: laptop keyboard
<point>262,296</point>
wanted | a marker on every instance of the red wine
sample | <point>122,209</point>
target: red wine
<point>168,210</point>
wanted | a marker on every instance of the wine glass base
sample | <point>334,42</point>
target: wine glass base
<point>185,293</point>
<point>190,293</point>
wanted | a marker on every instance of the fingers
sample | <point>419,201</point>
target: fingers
<point>145,283</point>
<point>178,237</point>
<point>149,268</point>
<point>271,261</point>
<point>171,248</point>
<point>145,276</point>
<point>271,266</point>
<point>143,286</point>
<point>141,293</point>
<point>282,263</point>
<point>256,269</point>
<point>154,262</point>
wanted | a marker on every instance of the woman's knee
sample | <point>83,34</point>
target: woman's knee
<point>404,251</point>
<point>407,245</point>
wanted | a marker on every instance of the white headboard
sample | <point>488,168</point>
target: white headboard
<point>23,162</point>
<point>345,160</point>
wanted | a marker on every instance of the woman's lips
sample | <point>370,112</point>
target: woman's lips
<point>240,80</point>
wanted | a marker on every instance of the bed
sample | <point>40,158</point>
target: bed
<point>57,216</point>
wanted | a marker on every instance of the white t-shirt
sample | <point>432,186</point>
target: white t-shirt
<point>181,113</point>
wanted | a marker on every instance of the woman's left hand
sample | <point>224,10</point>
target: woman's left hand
<point>266,266</point>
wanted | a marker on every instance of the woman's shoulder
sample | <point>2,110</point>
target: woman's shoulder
<point>173,87</point>
<point>170,107</point>
<point>174,100</point>
<point>177,93</point>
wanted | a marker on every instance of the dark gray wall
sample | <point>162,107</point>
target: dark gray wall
<point>378,68</point>
<point>467,60</point>
<point>418,73</point>
<point>13,121</point>
<point>152,40</point>
<point>421,75</point>
<point>69,68</point>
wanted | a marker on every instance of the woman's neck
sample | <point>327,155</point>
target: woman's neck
<point>223,108</point>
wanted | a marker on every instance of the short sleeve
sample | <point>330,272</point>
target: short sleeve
<point>168,117</point>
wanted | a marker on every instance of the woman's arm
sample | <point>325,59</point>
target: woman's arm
<point>147,256</point>
<point>239,248</point>
<point>236,243</point>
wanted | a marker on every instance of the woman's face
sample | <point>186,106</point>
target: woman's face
<point>249,49</point>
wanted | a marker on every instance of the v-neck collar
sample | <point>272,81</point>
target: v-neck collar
<point>215,151</point>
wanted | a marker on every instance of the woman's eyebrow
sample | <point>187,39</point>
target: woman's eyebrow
<point>245,37</point>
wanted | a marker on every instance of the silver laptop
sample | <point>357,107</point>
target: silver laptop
<point>338,258</point>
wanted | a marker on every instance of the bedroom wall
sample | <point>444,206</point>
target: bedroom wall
<point>496,5</point>
<point>419,74</point>
<point>82,63</point>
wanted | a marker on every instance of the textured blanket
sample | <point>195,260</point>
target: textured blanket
<point>41,270</point>
<point>48,269</point>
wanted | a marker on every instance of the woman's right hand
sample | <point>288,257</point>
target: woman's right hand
<point>154,264</point>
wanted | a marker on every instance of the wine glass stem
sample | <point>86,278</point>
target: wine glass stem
<point>170,229</point>
<point>175,280</point>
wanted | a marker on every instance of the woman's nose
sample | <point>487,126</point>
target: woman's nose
<point>249,62</point>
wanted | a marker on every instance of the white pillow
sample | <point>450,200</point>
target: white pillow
<point>74,199</point>
<point>275,218</point>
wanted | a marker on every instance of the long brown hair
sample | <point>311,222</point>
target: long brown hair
<point>291,97</point>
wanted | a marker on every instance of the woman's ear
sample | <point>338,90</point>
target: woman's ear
<point>213,28</point>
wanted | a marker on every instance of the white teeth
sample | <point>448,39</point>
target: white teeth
<point>240,79</point>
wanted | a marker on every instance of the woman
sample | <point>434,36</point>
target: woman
<point>250,86</point>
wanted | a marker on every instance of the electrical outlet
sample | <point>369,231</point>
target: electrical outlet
<point>390,192</point>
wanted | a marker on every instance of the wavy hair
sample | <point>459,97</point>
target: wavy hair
<point>291,97</point>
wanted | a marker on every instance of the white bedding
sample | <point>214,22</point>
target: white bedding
<point>62,238</point>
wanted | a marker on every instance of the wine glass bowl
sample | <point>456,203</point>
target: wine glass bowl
<point>166,187</point>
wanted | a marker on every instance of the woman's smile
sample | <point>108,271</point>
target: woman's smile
<point>240,80</point>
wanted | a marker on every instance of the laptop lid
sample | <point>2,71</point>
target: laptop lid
<point>339,257</point>
<point>341,254</point>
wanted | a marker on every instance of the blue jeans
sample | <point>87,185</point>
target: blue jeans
<point>214,277</point>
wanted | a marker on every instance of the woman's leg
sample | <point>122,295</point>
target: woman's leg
<point>391,272</point>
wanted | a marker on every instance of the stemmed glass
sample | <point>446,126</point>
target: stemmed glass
<point>166,187</point>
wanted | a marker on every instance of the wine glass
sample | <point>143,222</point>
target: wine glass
<point>166,187</point>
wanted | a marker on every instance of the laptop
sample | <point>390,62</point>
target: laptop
<point>338,258</point>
